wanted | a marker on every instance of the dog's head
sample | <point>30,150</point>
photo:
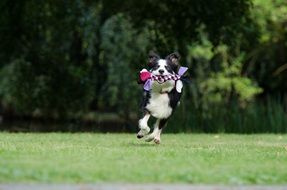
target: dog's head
<point>166,66</point>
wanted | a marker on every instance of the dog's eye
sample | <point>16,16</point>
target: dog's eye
<point>156,67</point>
<point>168,69</point>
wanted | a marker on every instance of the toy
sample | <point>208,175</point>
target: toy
<point>147,77</point>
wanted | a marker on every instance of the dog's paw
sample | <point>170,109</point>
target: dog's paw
<point>143,132</point>
<point>156,140</point>
<point>149,138</point>
<point>139,136</point>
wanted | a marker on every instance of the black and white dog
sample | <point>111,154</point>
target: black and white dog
<point>162,98</point>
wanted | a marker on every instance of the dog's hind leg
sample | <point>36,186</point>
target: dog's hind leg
<point>154,133</point>
<point>161,124</point>
<point>143,125</point>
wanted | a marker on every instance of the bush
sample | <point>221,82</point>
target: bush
<point>122,47</point>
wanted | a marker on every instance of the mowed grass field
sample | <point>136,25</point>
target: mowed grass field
<point>121,158</point>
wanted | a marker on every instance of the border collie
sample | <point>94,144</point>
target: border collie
<point>162,95</point>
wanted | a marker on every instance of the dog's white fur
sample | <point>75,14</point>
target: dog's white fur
<point>143,125</point>
<point>159,101</point>
<point>155,135</point>
<point>162,64</point>
<point>158,104</point>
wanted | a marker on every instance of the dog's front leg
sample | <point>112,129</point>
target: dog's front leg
<point>143,125</point>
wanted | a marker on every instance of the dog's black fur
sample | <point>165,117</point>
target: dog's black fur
<point>170,66</point>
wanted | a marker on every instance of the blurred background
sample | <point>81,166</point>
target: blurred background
<point>73,65</point>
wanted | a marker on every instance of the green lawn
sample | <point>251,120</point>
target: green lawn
<point>181,158</point>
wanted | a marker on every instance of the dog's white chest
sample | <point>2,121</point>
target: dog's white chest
<point>159,105</point>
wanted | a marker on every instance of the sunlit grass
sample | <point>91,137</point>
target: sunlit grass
<point>181,158</point>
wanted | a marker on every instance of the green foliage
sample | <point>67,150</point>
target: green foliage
<point>84,56</point>
<point>52,69</point>
<point>270,17</point>
<point>175,22</point>
<point>122,47</point>
<point>268,59</point>
<point>218,75</point>
<point>28,87</point>
<point>222,96</point>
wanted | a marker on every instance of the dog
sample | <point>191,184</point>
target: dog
<point>162,97</point>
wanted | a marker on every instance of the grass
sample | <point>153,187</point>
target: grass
<point>268,116</point>
<point>181,158</point>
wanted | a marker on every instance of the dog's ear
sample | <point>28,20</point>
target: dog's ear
<point>152,59</point>
<point>173,61</point>
<point>173,58</point>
